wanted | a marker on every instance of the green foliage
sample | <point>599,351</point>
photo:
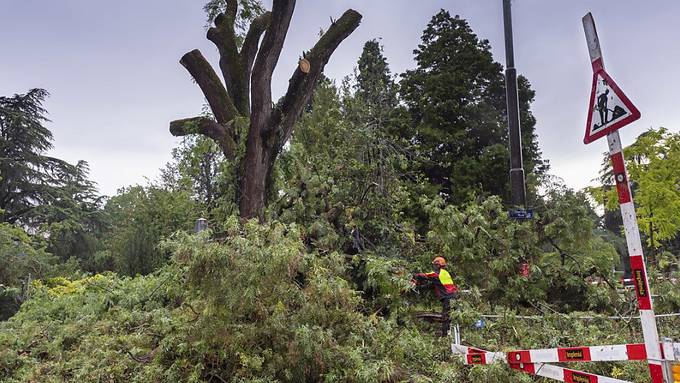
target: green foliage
<point>653,164</point>
<point>258,307</point>
<point>85,329</point>
<point>20,255</point>
<point>579,252</point>
<point>254,308</point>
<point>74,219</point>
<point>20,260</point>
<point>341,180</point>
<point>483,234</point>
<point>456,99</point>
<point>139,217</point>
<point>666,288</point>
<point>27,174</point>
<point>199,168</point>
<point>561,246</point>
<point>43,194</point>
<point>247,11</point>
<point>36,189</point>
<point>375,101</point>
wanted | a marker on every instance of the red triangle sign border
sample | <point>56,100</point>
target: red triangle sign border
<point>634,112</point>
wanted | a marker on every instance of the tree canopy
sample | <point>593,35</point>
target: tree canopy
<point>456,99</point>
<point>653,164</point>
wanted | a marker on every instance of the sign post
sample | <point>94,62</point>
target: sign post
<point>609,111</point>
<point>608,98</point>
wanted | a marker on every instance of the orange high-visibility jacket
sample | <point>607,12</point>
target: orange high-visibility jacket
<point>443,283</point>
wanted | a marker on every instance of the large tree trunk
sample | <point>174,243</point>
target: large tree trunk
<point>256,167</point>
<point>250,71</point>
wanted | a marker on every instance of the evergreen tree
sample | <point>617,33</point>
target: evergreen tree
<point>28,175</point>
<point>456,98</point>
<point>342,177</point>
<point>375,86</point>
<point>40,192</point>
<point>139,218</point>
<point>74,219</point>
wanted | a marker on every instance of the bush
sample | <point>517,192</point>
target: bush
<point>258,306</point>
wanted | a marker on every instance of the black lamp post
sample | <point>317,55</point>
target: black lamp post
<point>518,188</point>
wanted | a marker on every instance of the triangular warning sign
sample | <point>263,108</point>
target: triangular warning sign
<point>609,108</point>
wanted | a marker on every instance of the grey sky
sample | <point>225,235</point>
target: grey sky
<point>112,68</point>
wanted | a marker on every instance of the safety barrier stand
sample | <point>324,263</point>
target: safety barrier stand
<point>536,362</point>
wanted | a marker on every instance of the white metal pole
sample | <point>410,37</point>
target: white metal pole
<point>637,261</point>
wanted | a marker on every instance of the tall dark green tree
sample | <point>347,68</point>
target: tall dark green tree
<point>456,98</point>
<point>74,219</point>
<point>28,175</point>
<point>372,104</point>
<point>375,87</point>
<point>40,192</point>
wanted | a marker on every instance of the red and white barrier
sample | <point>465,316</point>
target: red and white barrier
<point>610,353</point>
<point>580,354</point>
<point>486,358</point>
<point>474,355</point>
<point>562,374</point>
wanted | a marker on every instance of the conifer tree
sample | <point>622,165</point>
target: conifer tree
<point>456,99</point>
<point>374,83</point>
<point>37,189</point>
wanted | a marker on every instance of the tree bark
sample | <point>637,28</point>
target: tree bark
<point>247,93</point>
<point>220,103</point>
<point>207,127</point>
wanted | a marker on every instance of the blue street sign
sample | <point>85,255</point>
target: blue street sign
<point>521,214</point>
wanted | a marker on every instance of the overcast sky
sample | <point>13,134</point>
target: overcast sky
<point>115,82</point>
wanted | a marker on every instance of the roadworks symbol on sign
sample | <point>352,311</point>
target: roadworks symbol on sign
<point>609,108</point>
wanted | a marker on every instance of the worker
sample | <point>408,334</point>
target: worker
<point>444,288</point>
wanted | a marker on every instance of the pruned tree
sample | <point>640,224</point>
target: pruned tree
<point>247,72</point>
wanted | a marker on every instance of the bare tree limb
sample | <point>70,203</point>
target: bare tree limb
<point>209,128</point>
<point>248,52</point>
<point>268,57</point>
<point>232,8</point>
<point>247,92</point>
<point>224,38</point>
<point>220,103</point>
<point>301,85</point>
<point>228,18</point>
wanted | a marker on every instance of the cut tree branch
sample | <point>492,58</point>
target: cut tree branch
<point>248,52</point>
<point>209,128</point>
<point>232,9</point>
<point>246,92</point>
<point>268,56</point>
<point>301,85</point>
<point>220,103</point>
<point>224,38</point>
